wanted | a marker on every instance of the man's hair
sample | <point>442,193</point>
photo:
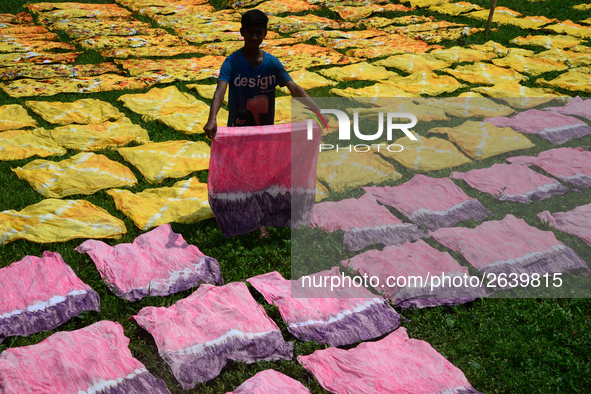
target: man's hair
<point>254,18</point>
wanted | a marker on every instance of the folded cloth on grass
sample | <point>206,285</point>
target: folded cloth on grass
<point>430,202</point>
<point>572,80</point>
<point>159,51</point>
<point>270,381</point>
<point>21,144</point>
<point>189,119</point>
<point>40,294</point>
<point>378,90</point>
<point>454,9</point>
<point>358,72</point>
<point>195,65</point>
<point>460,55</point>
<point>295,23</point>
<point>275,7</point>
<point>157,263</point>
<point>570,28</point>
<point>556,41</point>
<point>426,83</point>
<point>92,359</point>
<point>158,101</point>
<point>337,316</point>
<point>577,107</point>
<point>530,65</point>
<point>14,116</point>
<point>84,111</point>
<point>576,222</point>
<point>37,71</point>
<point>519,96</point>
<point>393,364</point>
<point>9,59</point>
<point>353,14</point>
<point>411,62</point>
<point>470,107</point>
<point>391,45</point>
<point>484,74</point>
<point>198,335</point>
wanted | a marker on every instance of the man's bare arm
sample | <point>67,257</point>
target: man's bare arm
<point>211,126</point>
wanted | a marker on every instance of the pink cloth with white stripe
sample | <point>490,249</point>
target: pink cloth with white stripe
<point>395,364</point>
<point>577,107</point>
<point>270,381</point>
<point>576,222</point>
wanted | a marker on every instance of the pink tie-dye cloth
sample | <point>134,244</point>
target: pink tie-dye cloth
<point>94,359</point>
<point>198,335</point>
<point>330,317</point>
<point>576,222</point>
<point>364,223</point>
<point>512,182</point>
<point>435,269</point>
<point>270,381</point>
<point>395,364</point>
<point>40,294</point>
<point>577,107</point>
<point>430,202</point>
<point>157,263</point>
<point>572,165</point>
<point>552,126</point>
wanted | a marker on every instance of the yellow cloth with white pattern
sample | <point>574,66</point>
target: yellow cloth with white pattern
<point>573,80</point>
<point>485,74</point>
<point>501,15</point>
<point>570,28</point>
<point>471,107</point>
<point>421,109</point>
<point>358,72</point>
<point>82,111</point>
<point>21,144</point>
<point>461,55</point>
<point>530,22</point>
<point>529,65</point>
<point>207,91</point>
<point>519,96</point>
<point>427,83</point>
<point>455,9</point>
<point>411,63</point>
<point>548,42</point>
<point>572,58</point>
<point>158,101</point>
<point>376,91</point>
<point>14,116</point>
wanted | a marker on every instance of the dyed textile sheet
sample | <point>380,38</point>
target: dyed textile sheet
<point>198,335</point>
<point>40,294</point>
<point>510,246</point>
<point>582,7</point>
<point>576,222</point>
<point>572,165</point>
<point>384,89</point>
<point>366,222</point>
<point>192,118</point>
<point>184,202</point>
<point>295,23</point>
<point>481,140</point>
<point>26,29</point>
<point>228,47</point>
<point>461,55</point>
<point>485,74</point>
<point>325,36</point>
<point>28,37</point>
<point>548,42</point>
<point>36,71</point>
<point>171,75</point>
<point>470,107</point>
<point>207,27</point>
<point>21,144</point>
<point>245,3</point>
<point>430,202</point>
<point>274,7</point>
<point>512,182</point>
<point>270,381</point>
<point>84,111</point>
<point>572,58</point>
<point>392,44</point>
<point>570,28</point>
<point>358,72</point>
<point>339,317</point>
<point>424,113</point>
<point>519,96</point>
<point>178,9</point>
<point>530,22</point>
<point>416,260</point>
<point>435,36</point>
<point>48,6</point>
<point>77,28</point>
<point>55,220</point>
<point>392,364</point>
<point>158,101</point>
<point>94,359</point>
<point>571,80</point>
<point>207,91</point>
<point>33,46</point>
<point>114,42</point>
<point>9,59</point>
<point>171,159</point>
<point>422,27</point>
<point>354,14</point>
<point>68,13</point>
<point>426,83</point>
<point>14,116</point>
<point>426,3</point>
<point>577,107</point>
<point>411,63</point>
<point>502,15</point>
<point>551,126</point>
<point>195,37</point>
<point>307,80</point>
<point>20,18</point>
<point>379,21</point>
<point>455,9</point>
<point>157,263</point>
<point>530,65</point>
<point>495,47</point>
<point>300,56</point>
<point>124,53</point>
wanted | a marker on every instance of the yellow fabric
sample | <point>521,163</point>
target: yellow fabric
<point>423,112</point>
<point>294,23</point>
<point>379,21</point>
<point>275,7</point>
<point>171,159</point>
<point>548,42</point>
<point>83,111</point>
<point>21,144</point>
<point>411,63</point>
<point>207,91</point>
<point>199,38</point>
<point>196,65</point>
<point>582,7</point>
<point>299,56</point>
<point>55,220</point>
<point>573,59</point>
<point>44,71</point>
<point>390,45</point>
<point>485,74</point>
<point>530,65</point>
<point>572,80</point>
<point>14,116</point>
<point>481,140</point>
<point>113,42</point>
<point>455,9</point>
<point>208,27</point>
<point>190,119</point>
<point>461,55</point>
<point>431,25</point>
<point>351,13</point>
<point>530,22</point>
<point>33,46</point>
<point>435,36</point>
<point>494,47</point>
<point>84,173</point>
<point>501,15</point>
<point>471,106</point>
<point>307,80</point>
<point>184,202</point>
<point>76,12</point>
<point>9,59</point>
<point>228,47</point>
<point>426,3</point>
<point>347,170</point>
<point>124,53</point>
<point>519,96</point>
<point>586,21</point>
<point>27,29</point>
<point>571,28</point>
<point>427,83</point>
<point>374,91</point>
<point>358,72</point>
<point>321,192</point>
<point>158,101</point>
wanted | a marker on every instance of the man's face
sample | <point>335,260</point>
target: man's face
<point>253,36</point>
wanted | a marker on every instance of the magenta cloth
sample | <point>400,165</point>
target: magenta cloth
<point>417,260</point>
<point>511,246</point>
<point>512,182</point>
<point>572,165</point>
<point>576,222</point>
<point>336,320</point>
<point>40,294</point>
<point>552,126</point>
<point>198,335</point>
<point>394,364</point>
<point>364,223</point>
<point>157,263</point>
<point>577,107</point>
<point>270,381</point>
<point>430,202</point>
<point>94,359</point>
<point>262,176</point>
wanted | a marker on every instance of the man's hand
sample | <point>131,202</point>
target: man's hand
<point>210,129</point>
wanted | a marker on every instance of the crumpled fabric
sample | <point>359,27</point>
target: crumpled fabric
<point>426,83</point>
<point>9,59</point>
<point>470,107</point>
<point>75,10</point>
<point>354,14</point>
<point>77,28</point>
<point>14,116</point>
<point>378,21</point>
<point>33,46</point>
<point>192,118</point>
<point>294,23</point>
<point>572,58</point>
<point>207,91</point>
<point>572,80</point>
<point>22,144</point>
<point>195,65</point>
<point>357,72</point>
<point>530,65</point>
<point>502,15</point>
<point>378,90</point>
<point>451,33</point>
<point>576,222</point>
<point>274,7</point>
<point>323,36</point>
<point>84,111</point>
<point>322,192</point>
<point>392,44</point>
<point>426,3</point>
<point>195,37</point>
<point>26,29</point>
<point>124,53</point>
<point>577,107</point>
<point>56,220</point>
<point>421,109</point>
<point>307,80</point>
<point>570,28</point>
<point>411,63</point>
<point>270,381</point>
<point>157,101</point>
<point>421,27</point>
<point>519,96</point>
<point>485,74</point>
<point>300,56</point>
<point>36,71</point>
<point>494,47</point>
<point>530,22</point>
<point>460,55</point>
<point>19,18</point>
<point>455,9</point>
<point>114,42</point>
<point>555,41</point>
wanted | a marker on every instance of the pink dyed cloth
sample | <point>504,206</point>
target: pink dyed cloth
<point>552,126</point>
<point>395,364</point>
<point>40,294</point>
<point>572,165</point>
<point>364,223</point>
<point>270,381</point>
<point>416,260</point>
<point>576,222</point>
<point>577,107</point>
<point>157,263</point>
<point>512,182</point>
<point>94,359</point>
<point>430,202</point>
<point>198,335</point>
<point>335,320</point>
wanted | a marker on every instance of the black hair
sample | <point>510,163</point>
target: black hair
<point>254,18</point>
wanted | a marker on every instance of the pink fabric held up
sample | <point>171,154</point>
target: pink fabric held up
<point>576,222</point>
<point>270,381</point>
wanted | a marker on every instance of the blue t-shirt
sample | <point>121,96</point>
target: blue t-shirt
<point>251,98</point>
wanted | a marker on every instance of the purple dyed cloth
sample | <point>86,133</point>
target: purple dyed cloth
<point>551,126</point>
<point>330,317</point>
<point>94,359</point>
<point>395,364</point>
<point>576,222</point>
<point>425,275</point>
<point>198,335</point>
<point>157,263</point>
<point>40,294</point>
<point>512,182</point>
<point>572,165</point>
<point>577,107</point>
<point>270,381</point>
<point>430,202</point>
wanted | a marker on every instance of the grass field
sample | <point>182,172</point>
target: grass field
<point>514,345</point>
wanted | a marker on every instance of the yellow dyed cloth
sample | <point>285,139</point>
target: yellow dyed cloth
<point>470,106</point>
<point>55,220</point>
<point>9,59</point>
<point>48,6</point>
<point>85,28</point>
<point>83,111</point>
<point>519,96</point>
<point>548,42</point>
<point>190,119</point>
<point>245,3</point>
<point>158,101</point>
<point>20,18</point>
<point>582,7</point>
<point>38,71</point>
<point>455,9</point>
<point>113,42</point>
<point>485,74</point>
<point>570,28</point>
<point>460,55</point>
<point>435,36</point>
<point>379,21</point>
<point>171,159</point>
<point>14,116</point>
<point>423,112</point>
<point>28,37</point>
<point>494,47</point>
<point>175,20</point>
<point>321,192</point>
<point>96,13</point>
<point>307,80</point>
<point>195,65</point>
<point>199,38</point>
<point>207,91</point>
<point>84,173</point>
<point>391,45</point>
<point>530,22</point>
<point>431,25</point>
<point>481,140</point>
<point>573,59</point>
<point>124,53</point>
<point>376,91</point>
<point>275,7</point>
<point>530,65</point>
<point>426,3</point>
<point>33,46</point>
<point>26,29</point>
<point>411,63</point>
<point>299,56</point>
<point>349,13</point>
<point>573,80</point>
<point>22,144</point>
<point>228,47</point>
<point>501,15</point>
<point>426,82</point>
<point>184,202</point>
<point>346,170</point>
<point>586,21</point>
<point>358,72</point>
<point>294,23</point>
